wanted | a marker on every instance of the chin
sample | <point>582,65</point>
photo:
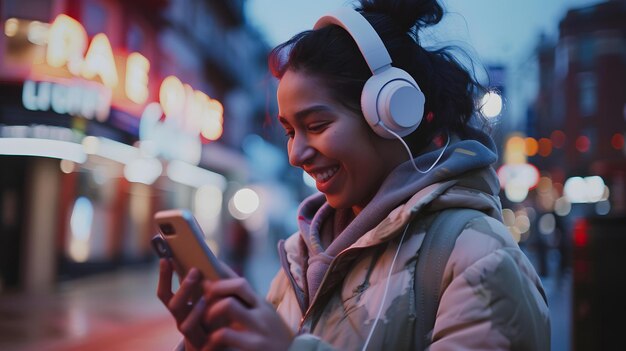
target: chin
<point>338,203</point>
<point>334,201</point>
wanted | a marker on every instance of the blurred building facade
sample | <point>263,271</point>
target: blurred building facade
<point>580,111</point>
<point>110,111</point>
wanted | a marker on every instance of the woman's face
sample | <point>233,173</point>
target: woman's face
<point>333,145</point>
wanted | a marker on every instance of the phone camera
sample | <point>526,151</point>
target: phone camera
<point>167,228</point>
<point>160,246</point>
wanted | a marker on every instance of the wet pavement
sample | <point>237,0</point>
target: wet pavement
<point>112,311</point>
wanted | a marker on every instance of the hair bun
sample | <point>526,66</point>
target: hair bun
<point>407,13</point>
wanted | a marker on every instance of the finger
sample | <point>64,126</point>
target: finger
<point>191,327</point>
<point>178,304</point>
<point>239,287</point>
<point>228,271</point>
<point>232,339</point>
<point>164,287</point>
<point>230,311</point>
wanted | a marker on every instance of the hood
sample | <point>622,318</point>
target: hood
<point>464,168</point>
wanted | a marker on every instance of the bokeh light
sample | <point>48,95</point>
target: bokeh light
<point>544,147</point>
<point>585,190</point>
<point>531,146</point>
<point>558,139</point>
<point>246,201</point>
<point>67,166</point>
<point>562,206</point>
<point>547,224</point>
<point>515,190</point>
<point>617,141</point>
<point>582,143</point>
<point>81,222</point>
<point>603,208</point>
<point>491,104</point>
<point>508,217</point>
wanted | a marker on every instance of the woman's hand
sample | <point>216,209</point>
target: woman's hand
<point>188,317</point>
<point>235,317</point>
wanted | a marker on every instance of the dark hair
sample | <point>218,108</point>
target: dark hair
<point>331,54</point>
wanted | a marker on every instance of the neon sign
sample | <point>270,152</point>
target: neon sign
<point>82,77</point>
<point>190,110</point>
<point>67,43</point>
<point>86,100</point>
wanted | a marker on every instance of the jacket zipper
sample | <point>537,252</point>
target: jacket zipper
<point>317,294</point>
<point>328,271</point>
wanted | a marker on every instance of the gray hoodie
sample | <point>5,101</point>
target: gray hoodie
<point>492,297</point>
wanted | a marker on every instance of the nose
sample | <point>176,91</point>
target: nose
<point>300,151</point>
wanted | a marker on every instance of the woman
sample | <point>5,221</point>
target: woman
<point>348,280</point>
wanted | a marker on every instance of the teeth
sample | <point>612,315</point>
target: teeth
<point>324,176</point>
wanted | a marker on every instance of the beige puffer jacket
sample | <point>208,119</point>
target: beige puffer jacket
<point>492,297</point>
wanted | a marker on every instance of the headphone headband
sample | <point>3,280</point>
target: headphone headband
<point>391,101</point>
<point>366,38</point>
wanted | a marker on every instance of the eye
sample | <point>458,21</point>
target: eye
<point>289,133</point>
<point>317,126</point>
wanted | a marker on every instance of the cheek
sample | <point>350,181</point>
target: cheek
<point>340,146</point>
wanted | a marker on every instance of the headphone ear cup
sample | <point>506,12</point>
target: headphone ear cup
<point>392,98</point>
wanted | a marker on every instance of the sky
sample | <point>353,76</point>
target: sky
<point>492,32</point>
<point>497,30</point>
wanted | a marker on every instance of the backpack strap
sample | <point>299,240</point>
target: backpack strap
<point>431,261</point>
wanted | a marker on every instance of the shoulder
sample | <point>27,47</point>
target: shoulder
<point>503,300</point>
<point>481,236</point>
<point>485,251</point>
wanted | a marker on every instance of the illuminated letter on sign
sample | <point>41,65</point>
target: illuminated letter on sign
<point>172,97</point>
<point>137,68</point>
<point>99,61</point>
<point>67,42</point>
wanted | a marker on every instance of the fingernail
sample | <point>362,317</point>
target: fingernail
<point>193,275</point>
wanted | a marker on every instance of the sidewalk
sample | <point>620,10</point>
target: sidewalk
<point>558,288</point>
<point>113,311</point>
<point>116,311</point>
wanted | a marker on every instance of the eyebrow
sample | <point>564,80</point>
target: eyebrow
<point>307,111</point>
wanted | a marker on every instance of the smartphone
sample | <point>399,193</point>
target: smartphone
<point>181,239</point>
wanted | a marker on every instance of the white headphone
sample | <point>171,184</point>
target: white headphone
<point>391,100</point>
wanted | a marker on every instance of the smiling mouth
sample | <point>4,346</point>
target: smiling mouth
<point>324,176</point>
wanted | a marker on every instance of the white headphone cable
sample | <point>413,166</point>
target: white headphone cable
<point>411,154</point>
<point>393,262</point>
<point>382,304</point>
